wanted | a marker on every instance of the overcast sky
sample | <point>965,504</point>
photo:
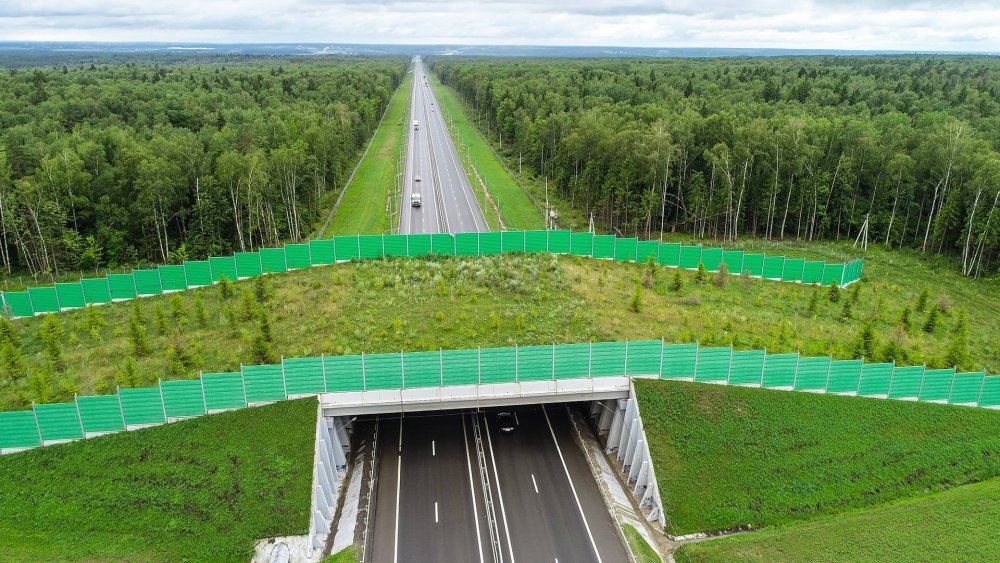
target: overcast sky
<point>956,25</point>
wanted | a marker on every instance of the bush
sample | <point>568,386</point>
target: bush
<point>262,291</point>
<point>649,273</point>
<point>845,311</point>
<point>52,334</point>
<point>813,308</point>
<point>721,276</point>
<point>160,318</point>
<point>834,294</point>
<point>200,314</point>
<point>922,300</point>
<point>856,293</point>
<point>867,341</point>
<point>677,283</point>
<point>225,288</point>
<point>904,319</point>
<point>701,276</point>
<point>957,354</point>
<point>8,333</point>
<point>635,304</point>
<point>932,320</point>
<point>178,311</point>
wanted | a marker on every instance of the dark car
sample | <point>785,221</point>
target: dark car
<point>506,422</point>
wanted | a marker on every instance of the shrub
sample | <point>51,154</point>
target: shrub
<point>138,337</point>
<point>635,304</point>
<point>225,288</point>
<point>813,308</point>
<point>262,291</point>
<point>904,319</point>
<point>957,353</point>
<point>8,333</point>
<point>922,300</point>
<point>867,341</point>
<point>160,318</point>
<point>845,311</point>
<point>932,320</point>
<point>200,314</point>
<point>856,293</point>
<point>649,273</point>
<point>178,311</point>
<point>52,334</point>
<point>834,294</point>
<point>677,283</point>
<point>701,276</point>
<point>721,276</point>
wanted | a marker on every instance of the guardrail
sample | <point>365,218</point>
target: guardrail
<point>199,273</point>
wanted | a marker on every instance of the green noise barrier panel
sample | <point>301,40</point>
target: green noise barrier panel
<point>70,295</point>
<point>212,392</point>
<point>241,265</point>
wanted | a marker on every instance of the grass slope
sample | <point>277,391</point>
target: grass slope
<point>364,207</point>
<point>727,456</point>
<point>644,553</point>
<point>516,208</point>
<point>389,305</point>
<point>955,525</point>
<point>198,490</point>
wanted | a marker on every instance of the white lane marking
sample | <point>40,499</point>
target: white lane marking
<point>472,488</point>
<point>571,487</point>
<point>436,512</point>
<point>535,483</point>
<point>503,511</point>
<point>516,421</point>
<point>395,540</point>
<point>401,433</point>
<point>433,448</point>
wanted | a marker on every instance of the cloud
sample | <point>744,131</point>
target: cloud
<point>960,25</point>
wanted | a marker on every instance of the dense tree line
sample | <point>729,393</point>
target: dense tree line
<point>114,164</point>
<point>806,147</point>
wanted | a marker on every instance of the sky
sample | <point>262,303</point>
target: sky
<point>908,25</point>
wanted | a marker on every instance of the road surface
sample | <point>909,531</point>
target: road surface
<point>454,489</point>
<point>448,202</point>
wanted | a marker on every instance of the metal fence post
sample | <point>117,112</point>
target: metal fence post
<point>204,399</point>
<point>517,367</point>
<point>982,384</point>
<point>661,357</point>
<point>243,380</point>
<point>857,390</point>
<point>590,360</point>
<point>364,375</point>
<point>322,367</point>
<point>441,366</point>
<point>892,374</point>
<point>479,365</point>
<point>697,353</point>
<point>163,403</point>
<point>829,368</point>
<point>920,386</point>
<point>763,366</point>
<point>121,407</point>
<point>729,373</point>
<point>284,384</point>
<point>822,274</point>
<point>553,361</point>
<point>38,427</point>
<point>951,388</point>
<point>83,431</point>
<point>626,356</point>
<point>795,376</point>
<point>402,371</point>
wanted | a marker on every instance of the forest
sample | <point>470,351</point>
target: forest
<point>105,165</point>
<point>902,149</point>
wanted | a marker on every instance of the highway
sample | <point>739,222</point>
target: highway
<point>448,202</point>
<point>450,487</point>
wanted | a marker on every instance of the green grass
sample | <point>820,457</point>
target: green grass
<point>955,525</point>
<point>199,490</point>
<point>347,555</point>
<point>516,208</point>
<point>644,553</point>
<point>407,304</point>
<point>728,457</point>
<point>365,207</point>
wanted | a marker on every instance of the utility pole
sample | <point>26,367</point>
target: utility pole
<point>547,212</point>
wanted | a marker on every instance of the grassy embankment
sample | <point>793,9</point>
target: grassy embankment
<point>516,208</point>
<point>198,490</point>
<point>955,525</point>
<point>365,206</point>
<point>389,305</point>
<point>644,553</point>
<point>729,457</point>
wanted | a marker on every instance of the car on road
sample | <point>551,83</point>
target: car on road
<point>415,200</point>
<point>506,422</point>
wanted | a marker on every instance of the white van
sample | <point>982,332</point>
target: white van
<point>415,200</point>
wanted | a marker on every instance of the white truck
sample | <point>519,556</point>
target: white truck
<point>416,125</point>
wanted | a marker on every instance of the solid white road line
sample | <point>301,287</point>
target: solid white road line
<point>472,488</point>
<point>535,483</point>
<point>399,474</point>
<point>433,448</point>
<point>571,487</point>
<point>435,512</point>
<point>496,475</point>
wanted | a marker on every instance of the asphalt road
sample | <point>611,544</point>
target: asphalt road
<point>432,504</point>
<point>448,202</point>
